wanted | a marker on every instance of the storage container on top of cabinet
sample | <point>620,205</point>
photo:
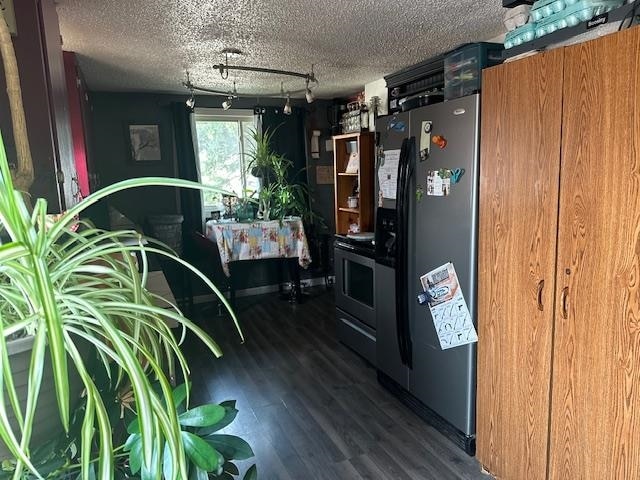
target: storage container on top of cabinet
<point>559,264</point>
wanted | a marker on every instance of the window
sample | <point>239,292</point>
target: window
<point>223,137</point>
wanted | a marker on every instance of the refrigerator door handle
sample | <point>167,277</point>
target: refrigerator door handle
<point>411,152</point>
<point>402,325</point>
<point>400,270</point>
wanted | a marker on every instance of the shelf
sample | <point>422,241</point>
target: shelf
<point>349,210</point>
<point>346,184</point>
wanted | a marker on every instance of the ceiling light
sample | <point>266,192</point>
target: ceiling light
<point>224,70</point>
<point>191,102</point>
<point>229,101</point>
<point>287,106</point>
<point>309,94</point>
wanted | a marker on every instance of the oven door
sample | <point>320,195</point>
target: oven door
<point>355,285</point>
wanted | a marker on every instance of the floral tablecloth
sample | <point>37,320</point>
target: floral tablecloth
<point>257,240</point>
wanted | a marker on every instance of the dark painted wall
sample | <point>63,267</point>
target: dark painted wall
<point>111,115</point>
<point>113,112</point>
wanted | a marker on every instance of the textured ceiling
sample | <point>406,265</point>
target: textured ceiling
<point>135,45</point>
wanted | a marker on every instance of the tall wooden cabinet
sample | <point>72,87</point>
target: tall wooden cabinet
<point>520,164</point>
<point>559,264</point>
<point>354,150</point>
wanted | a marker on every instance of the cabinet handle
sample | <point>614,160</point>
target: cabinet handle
<point>564,296</point>
<point>540,289</point>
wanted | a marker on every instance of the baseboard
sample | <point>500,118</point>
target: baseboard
<point>465,442</point>
<point>250,292</point>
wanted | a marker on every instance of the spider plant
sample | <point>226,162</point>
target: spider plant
<point>261,155</point>
<point>70,283</point>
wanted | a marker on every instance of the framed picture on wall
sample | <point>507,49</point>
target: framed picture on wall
<point>144,143</point>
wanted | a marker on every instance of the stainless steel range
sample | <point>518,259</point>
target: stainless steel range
<point>355,295</point>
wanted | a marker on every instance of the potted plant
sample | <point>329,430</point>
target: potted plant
<point>67,284</point>
<point>209,453</point>
<point>261,154</point>
<point>278,196</point>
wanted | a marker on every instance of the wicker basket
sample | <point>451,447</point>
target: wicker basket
<point>167,229</point>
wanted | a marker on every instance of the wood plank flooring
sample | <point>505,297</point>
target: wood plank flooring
<point>310,407</point>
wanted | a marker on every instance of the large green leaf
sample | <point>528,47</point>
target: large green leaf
<point>198,473</point>
<point>202,416</point>
<point>252,473</point>
<point>230,446</point>
<point>180,394</point>
<point>229,416</point>
<point>135,456</point>
<point>231,468</point>
<point>201,453</point>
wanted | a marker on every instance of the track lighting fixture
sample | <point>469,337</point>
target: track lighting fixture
<point>287,106</point>
<point>229,101</point>
<point>309,94</point>
<point>191,102</point>
<point>224,68</point>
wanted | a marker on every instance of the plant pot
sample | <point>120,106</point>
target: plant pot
<point>47,424</point>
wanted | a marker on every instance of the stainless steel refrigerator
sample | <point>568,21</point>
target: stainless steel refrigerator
<point>429,232</point>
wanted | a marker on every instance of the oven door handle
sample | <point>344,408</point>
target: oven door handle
<point>344,246</point>
<point>354,257</point>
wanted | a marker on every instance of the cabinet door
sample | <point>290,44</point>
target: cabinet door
<point>519,169</point>
<point>595,415</point>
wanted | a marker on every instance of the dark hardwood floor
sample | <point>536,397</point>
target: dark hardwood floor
<point>310,407</point>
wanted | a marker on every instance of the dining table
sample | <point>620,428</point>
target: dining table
<point>261,240</point>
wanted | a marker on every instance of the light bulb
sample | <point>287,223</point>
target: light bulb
<point>309,96</point>
<point>191,102</point>
<point>227,103</point>
<point>287,106</point>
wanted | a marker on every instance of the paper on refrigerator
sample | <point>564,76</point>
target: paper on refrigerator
<point>388,173</point>
<point>449,310</point>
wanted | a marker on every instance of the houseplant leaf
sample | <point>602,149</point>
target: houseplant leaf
<point>180,394</point>
<point>198,473</point>
<point>135,456</point>
<point>230,446</point>
<point>201,453</point>
<point>230,415</point>
<point>252,473</point>
<point>202,416</point>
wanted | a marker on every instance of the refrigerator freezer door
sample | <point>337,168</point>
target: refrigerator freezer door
<point>390,132</point>
<point>388,353</point>
<point>445,231</point>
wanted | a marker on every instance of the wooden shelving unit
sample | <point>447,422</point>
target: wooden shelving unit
<point>349,184</point>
